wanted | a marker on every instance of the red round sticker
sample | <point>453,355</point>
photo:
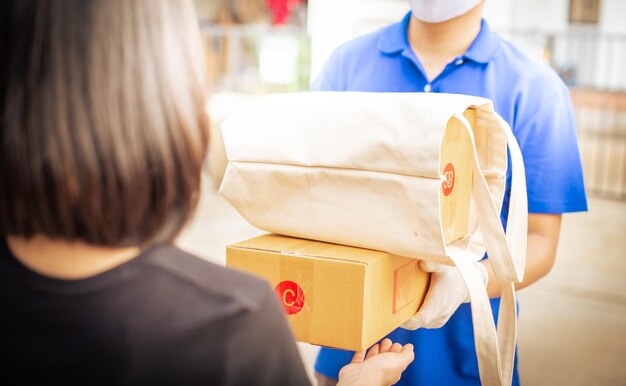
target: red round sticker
<point>448,182</point>
<point>291,296</point>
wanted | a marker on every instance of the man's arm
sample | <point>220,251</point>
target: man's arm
<point>543,239</point>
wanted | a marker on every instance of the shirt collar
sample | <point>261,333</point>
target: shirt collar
<point>485,46</point>
<point>482,50</point>
<point>394,37</point>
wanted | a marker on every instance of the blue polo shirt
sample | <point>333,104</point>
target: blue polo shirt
<point>530,96</point>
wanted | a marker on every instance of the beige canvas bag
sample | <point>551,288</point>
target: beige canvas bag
<point>414,174</point>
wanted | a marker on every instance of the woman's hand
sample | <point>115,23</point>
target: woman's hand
<point>382,366</point>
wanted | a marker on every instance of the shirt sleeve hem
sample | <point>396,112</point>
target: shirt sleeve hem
<point>558,207</point>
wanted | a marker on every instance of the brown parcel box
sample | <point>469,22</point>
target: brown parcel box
<point>334,295</point>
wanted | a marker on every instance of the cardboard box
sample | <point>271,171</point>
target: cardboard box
<point>334,295</point>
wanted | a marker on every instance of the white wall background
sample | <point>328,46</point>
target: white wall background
<point>613,16</point>
<point>333,22</point>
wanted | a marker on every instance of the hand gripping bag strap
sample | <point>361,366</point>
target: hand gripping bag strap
<point>489,343</point>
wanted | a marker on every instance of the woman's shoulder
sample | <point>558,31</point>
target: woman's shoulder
<point>196,279</point>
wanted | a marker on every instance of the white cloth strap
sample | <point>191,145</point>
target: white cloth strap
<point>506,255</point>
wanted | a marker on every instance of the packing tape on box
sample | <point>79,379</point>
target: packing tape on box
<point>296,290</point>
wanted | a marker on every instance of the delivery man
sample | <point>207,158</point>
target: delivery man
<point>445,46</point>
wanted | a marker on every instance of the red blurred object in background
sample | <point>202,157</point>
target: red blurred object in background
<point>280,10</point>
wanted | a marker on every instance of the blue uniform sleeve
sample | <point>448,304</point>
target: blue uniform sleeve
<point>330,361</point>
<point>548,140</point>
<point>329,79</point>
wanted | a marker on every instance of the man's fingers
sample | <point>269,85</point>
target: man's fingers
<point>419,320</point>
<point>440,320</point>
<point>396,348</point>
<point>412,324</point>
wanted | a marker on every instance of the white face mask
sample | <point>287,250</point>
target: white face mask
<point>437,11</point>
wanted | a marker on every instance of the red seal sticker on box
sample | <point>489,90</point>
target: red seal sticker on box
<point>448,182</point>
<point>290,295</point>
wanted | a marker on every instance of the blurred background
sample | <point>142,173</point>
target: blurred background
<point>573,322</point>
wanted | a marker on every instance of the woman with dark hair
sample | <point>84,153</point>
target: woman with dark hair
<point>102,140</point>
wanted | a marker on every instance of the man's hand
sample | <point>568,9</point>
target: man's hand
<point>446,293</point>
<point>447,289</point>
<point>382,366</point>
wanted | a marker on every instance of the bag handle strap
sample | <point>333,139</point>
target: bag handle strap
<point>507,255</point>
<point>491,343</point>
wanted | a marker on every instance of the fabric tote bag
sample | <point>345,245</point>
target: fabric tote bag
<point>413,174</point>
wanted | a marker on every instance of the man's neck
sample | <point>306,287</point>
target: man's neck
<point>67,260</point>
<point>437,44</point>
